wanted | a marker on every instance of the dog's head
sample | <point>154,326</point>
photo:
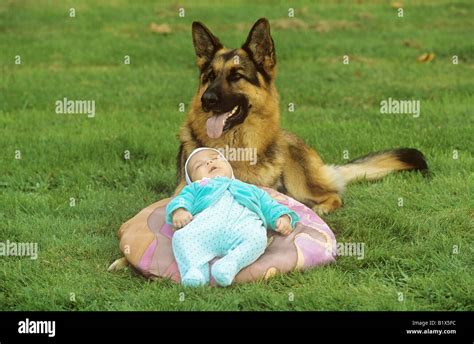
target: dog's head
<point>234,83</point>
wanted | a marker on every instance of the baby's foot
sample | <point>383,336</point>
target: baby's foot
<point>224,272</point>
<point>193,278</point>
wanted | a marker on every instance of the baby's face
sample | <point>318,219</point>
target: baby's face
<point>208,163</point>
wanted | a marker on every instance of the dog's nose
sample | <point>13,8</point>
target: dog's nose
<point>209,100</point>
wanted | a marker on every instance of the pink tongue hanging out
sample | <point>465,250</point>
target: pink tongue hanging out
<point>215,125</point>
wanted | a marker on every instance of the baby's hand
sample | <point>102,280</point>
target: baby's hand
<point>181,217</point>
<point>283,225</point>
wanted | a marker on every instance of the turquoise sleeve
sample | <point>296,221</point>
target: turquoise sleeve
<point>272,210</point>
<point>185,200</point>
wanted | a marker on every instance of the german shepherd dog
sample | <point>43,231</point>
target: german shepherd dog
<point>236,105</point>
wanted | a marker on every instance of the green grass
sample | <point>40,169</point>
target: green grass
<point>408,249</point>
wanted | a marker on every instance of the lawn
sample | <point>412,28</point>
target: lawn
<point>66,185</point>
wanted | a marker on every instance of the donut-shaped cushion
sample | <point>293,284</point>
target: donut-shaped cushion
<point>145,241</point>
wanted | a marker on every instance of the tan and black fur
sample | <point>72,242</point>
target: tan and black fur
<point>284,161</point>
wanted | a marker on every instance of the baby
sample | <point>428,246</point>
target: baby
<point>221,216</point>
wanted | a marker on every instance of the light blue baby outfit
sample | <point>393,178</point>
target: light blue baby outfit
<point>229,221</point>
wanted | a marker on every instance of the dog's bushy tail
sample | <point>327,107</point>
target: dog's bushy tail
<point>377,165</point>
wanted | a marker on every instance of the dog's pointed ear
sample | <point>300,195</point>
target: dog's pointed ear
<point>205,44</point>
<point>260,45</point>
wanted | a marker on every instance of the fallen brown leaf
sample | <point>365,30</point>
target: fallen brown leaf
<point>411,43</point>
<point>364,16</point>
<point>289,23</point>
<point>162,28</point>
<point>427,57</point>
<point>396,4</point>
<point>326,25</point>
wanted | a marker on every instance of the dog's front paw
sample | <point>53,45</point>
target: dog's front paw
<point>118,264</point>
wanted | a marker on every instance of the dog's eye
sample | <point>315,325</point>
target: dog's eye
<point>210,77</point>
<point>235,77</point>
